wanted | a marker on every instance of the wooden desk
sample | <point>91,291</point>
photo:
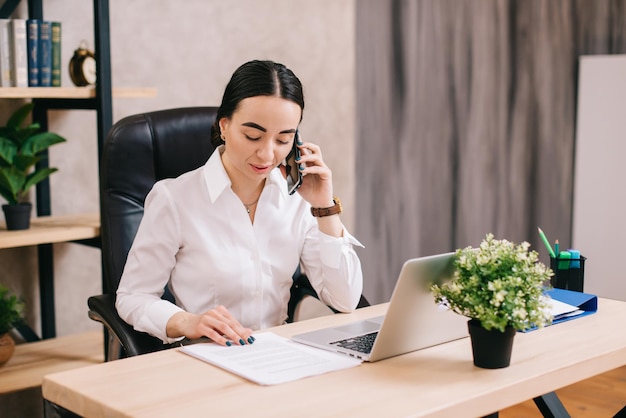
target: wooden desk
<point>439,381</point>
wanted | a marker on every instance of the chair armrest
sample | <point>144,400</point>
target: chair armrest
<point>363,302</point>
<point>133,343</point>
<point>301,288</point>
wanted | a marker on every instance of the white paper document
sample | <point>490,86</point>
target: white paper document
<point>271,359</point>
<point>561,309</point>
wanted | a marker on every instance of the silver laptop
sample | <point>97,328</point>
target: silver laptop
<point>413,320</point>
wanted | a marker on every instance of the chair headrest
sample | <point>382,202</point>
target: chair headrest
<point>144,148</point>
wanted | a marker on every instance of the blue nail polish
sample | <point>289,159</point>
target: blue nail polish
<point>250,340</point>
<point>253,339</point>
<point>298,159</point>
<point>301,167</point>
<point>241,341</point>
<point>228,343</point>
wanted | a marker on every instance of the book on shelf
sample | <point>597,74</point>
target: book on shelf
<point>30,53</point>
<point>44,53</point>
<point>56,54</point>
<point>32,46</point>
<point>5,53</point>
<point>19,63</point>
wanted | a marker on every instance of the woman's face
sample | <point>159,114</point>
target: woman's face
<point>258,136</point>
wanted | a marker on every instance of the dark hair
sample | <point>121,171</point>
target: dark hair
<point>257,78</point>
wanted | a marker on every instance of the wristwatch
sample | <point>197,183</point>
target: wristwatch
<point>333,210</point>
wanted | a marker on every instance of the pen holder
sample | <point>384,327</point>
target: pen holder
<point>569,274</point>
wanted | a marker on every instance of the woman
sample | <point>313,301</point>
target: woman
<point>227,237</point>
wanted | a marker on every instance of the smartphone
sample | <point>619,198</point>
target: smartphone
<point>294,175</point>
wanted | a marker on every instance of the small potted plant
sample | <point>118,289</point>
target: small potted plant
<point>11,308</point>
<point>19,149</point>
<point>501,287</point>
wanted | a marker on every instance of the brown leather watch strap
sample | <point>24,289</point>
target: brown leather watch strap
<point>333,210</point>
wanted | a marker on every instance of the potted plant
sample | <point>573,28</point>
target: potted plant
<point>19,149</point>
<point>11,308</point>
<point>501,287</point>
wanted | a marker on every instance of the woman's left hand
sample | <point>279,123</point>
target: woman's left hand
<point>317,183</point>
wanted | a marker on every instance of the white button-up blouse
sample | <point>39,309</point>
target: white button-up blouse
<point>196,237</point>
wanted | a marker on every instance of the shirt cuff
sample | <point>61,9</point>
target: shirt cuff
<point>155,320</point>
<point>334,248</point>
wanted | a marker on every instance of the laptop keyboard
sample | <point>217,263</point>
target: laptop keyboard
<point>362,343</point>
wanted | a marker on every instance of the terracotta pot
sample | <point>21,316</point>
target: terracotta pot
<point>7,347</point>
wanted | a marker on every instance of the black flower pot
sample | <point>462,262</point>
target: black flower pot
<point>491,348</point>
<point>17,217</point>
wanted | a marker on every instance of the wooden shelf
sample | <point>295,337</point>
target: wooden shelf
<point>32,361</point>
<point>51,229</point>
<point>71,92</point>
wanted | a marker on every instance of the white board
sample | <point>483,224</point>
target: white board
<point>599,211</point>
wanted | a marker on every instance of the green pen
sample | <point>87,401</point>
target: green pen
<point>546,243</point>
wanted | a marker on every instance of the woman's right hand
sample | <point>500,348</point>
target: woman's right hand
<point>217,324</point>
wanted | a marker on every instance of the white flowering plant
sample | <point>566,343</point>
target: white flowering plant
<point>499,284</point>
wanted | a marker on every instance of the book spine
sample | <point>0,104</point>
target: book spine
<point>20,56</point>
<point>56,54</point>
<point>45,54</point>
<point>32,32</point>
<point>5,53</point>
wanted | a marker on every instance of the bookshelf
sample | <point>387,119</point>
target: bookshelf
<point>31,362</point>
<point>81,228</point>
<point>52,229</point>
<point>71,92</point>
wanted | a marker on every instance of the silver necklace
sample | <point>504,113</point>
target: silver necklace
<point>249,205</point>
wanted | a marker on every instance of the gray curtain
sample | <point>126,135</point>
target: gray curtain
<point>466,121</point>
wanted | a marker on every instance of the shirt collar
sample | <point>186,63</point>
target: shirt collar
<point>217,179</point>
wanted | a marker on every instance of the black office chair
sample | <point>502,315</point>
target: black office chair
<point>140,150</point>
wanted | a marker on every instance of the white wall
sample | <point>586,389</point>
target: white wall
<point>599,225</point>
<point>187,51</point>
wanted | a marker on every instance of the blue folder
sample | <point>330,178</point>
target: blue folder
<point>586,302</point>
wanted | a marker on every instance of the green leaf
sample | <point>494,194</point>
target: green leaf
<point>17,119</point>
<point>11,183</point>
<point>37,176</point>
<point>20,136</point>
<point>11,310</point>
<point>7,150</point>
<point>24,162</point>
<point>40,142</point>
<point>7,195</point>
